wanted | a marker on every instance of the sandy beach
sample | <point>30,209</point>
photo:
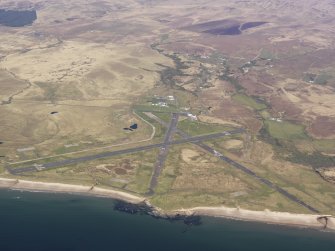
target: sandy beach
<point>280,218</point>
<point>266,216</point>
<point>67,188</point>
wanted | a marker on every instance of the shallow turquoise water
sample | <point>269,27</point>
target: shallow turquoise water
<point>38,221</point>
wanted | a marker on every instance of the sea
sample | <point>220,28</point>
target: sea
<point>42,221</point>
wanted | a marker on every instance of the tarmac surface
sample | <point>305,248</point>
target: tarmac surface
<point>54,164</point>
<point>163,152</point>
<point>242,168</point>
<point>172,128</point>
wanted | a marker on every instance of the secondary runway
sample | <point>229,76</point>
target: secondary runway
<point>163,152</point>
<point>241,167</point>
<point>186,139</point>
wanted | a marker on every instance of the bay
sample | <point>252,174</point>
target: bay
<point>41,221</point>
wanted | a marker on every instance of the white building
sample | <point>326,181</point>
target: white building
<point>191,116</point>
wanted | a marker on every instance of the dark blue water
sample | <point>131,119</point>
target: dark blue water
<point>233,30</point>
<point>249,25</point>
<point>36,221</point>
<point>17,18</point>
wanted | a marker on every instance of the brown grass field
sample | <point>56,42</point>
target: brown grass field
<point>73,79</point>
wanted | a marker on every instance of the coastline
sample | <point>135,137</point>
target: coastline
<point>323,222</point>
<point>37,186</point>
<point>279,218</point>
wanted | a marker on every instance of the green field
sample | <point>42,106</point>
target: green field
<point>248,101</point>
<point>199,128</point>
<point>160,130</point>
<point>324,145</point>
<point>164,116</point>
<point>285,130</point>
<point>142,179</point>
<point>266,55</point>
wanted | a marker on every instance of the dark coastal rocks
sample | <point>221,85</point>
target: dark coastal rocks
<point>323,220</point>
<point>189,220</point>
<point>129,208</point>
<point>146,209</point>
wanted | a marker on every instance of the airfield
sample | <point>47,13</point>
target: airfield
<point>236,110</point>
<point>162,155</point>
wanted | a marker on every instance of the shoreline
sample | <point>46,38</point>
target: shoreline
<point>37,186</point>
<point>322,222</point>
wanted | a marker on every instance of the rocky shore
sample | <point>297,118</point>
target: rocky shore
<point>134,204</point>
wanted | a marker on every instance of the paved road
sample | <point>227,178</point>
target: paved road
<point>55,164</point>
<point>163,152</point>
<point>243,168</point>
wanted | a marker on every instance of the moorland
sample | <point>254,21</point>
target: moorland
<point>77,76</point>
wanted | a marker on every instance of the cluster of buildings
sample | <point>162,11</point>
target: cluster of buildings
<point>276,119</point>
<point>161,104</point>
<point>162,101</point>
<point>169,100</point>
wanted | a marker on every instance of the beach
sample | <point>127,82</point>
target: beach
<point>67,188</point>
<point>266,216</point>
